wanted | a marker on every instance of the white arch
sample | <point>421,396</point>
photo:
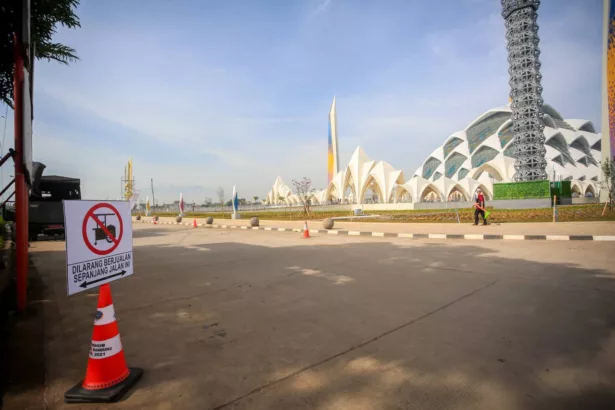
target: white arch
<point>486,192</point>
<point>459,188</point>
<point>400,191</point>
<point>432,188</point>
<point>491,169</point>
<point>371,181</point>
<point>575,188</point>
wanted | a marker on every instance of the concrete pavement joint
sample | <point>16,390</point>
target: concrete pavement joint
<point>352,348</point>
<point>226,289</point>
<point>417,235</point>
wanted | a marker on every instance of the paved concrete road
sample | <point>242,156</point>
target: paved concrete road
<point>253,320</point>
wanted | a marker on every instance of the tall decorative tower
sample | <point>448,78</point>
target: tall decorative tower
<point>128,181</point>
<point>525,89</point>
<point>333,159</point>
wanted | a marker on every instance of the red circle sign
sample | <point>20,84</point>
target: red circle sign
<point>116,241</point>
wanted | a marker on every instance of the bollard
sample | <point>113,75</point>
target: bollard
<point>555,208</point>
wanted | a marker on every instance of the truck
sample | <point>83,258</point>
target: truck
<point>46,212</point>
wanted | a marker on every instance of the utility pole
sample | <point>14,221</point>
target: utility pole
<point>153,197</point>
<point>23,67</point>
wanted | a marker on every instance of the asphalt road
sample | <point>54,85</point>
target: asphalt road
<point>224,319</point>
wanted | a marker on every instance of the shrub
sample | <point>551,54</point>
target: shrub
<point>522,190</point>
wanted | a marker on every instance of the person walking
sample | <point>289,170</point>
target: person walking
<point>479,206</point>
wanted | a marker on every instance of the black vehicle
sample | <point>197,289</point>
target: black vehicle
<point>46,214</point>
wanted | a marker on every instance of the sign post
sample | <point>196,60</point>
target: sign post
<point>98,243</point>
<point>99,251</point>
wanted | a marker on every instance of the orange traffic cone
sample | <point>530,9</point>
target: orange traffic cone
<point>155,222</point>
<point>194,225</point>
<point>107,377</point>
<point>306,231</point>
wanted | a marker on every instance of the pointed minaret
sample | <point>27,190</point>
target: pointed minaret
<point>333,161</point>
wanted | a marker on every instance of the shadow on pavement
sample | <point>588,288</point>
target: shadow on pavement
<point>355,326</point>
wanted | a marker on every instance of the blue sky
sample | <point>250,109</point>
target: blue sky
<point>227,92</point>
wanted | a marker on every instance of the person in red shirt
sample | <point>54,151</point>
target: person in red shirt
<point>479,206</point>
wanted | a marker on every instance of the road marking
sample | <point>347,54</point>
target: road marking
<point>378,234</point>
<point>581,238</point>
<point>515,237</point>
<point>535,237</point>
<point>558,238</point>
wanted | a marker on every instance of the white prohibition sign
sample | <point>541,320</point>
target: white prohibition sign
<point>98,243</point>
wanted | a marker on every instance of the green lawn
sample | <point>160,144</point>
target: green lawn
<point>566,213</point>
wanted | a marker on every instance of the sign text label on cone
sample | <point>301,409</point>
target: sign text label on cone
<point>98,243</point>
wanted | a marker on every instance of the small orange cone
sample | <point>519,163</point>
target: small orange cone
<point>107,377</point>
<point>194,225</point>
<point>306,231</point>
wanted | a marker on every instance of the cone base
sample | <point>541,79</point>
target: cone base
<point>78,394</point>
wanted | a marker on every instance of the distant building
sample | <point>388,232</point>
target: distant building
<point>476,157</point>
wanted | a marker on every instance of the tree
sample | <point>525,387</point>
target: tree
<point>608,183</point>
<point>255,199</point>
<point>46,15</point>
<point>220,192</point>
<point>304,190</point>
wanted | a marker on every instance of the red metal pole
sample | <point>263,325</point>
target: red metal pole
<point>21,190</point>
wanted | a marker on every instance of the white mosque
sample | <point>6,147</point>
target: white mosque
<point>476,157</point>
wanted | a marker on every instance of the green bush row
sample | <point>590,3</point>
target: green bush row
<point>522,190</point>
